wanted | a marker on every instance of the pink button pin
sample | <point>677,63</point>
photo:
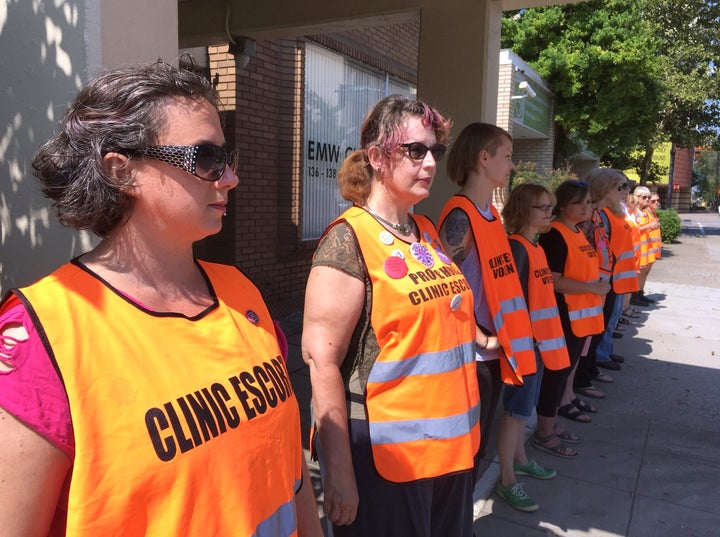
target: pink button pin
<point>395,267</point>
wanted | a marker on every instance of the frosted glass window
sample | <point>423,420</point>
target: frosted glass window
<point>338,94</point>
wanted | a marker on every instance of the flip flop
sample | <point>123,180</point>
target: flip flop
<point>584,405</point>
<point>631,313</point>
<point>572,412</point>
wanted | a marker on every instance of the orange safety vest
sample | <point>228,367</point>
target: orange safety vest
<point>624,276</point>
<point>655,235</point>
<point>542,307</point>
<point>502,289</point>
<point>647,256</point>
<point>600,231</point>
<point>183,426</point>
<point>635,234</point>
<point>422,398</point>
<point>584,309</point>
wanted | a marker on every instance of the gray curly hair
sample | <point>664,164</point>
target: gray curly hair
<point>121,111</point>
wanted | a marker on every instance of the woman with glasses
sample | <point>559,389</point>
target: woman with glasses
<point>527,214</point>
<point>388,338</point>
<point>646,224</point>
<point>579,292</point>
<point>471,231</point>
<point>611,235</point>
<point>142,390</point>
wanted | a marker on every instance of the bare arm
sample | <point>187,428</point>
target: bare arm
<point>333,303</point>
<point>569,286</point>
<point>455,235</point>
<point>32,473</point>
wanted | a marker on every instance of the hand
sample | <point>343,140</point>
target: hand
<point>602,287</point>
<point>341,497</point>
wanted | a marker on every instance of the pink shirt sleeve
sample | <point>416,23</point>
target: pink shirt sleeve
<point>30,388</point>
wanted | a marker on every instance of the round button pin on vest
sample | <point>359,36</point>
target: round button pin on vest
<point>455,302</point>
<point>252,316</point>
<point>445,259</point>
<point>422,254</point>
<point>386,237</point>
<point>395,267</point>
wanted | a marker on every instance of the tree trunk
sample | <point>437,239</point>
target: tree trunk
<point>645,166</point>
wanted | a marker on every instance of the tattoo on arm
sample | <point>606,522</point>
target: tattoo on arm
<point>456,227</point>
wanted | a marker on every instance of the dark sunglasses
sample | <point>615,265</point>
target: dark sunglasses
<point>204,161</point>
<point>417,150</point>
<point>623,186</point>
<point>644,197</point>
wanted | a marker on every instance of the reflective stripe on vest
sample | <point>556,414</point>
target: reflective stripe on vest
<point>447,428</point>
<point>584,309</point>
<point>425,364</point>
<point>186,447</point>
<point>544,316</point>
<point>647,256</point>
<point>281,522</point>
<point>501,288</point>
<point>421,395</point>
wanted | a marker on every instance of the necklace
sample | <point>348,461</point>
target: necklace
<point>405,229</point>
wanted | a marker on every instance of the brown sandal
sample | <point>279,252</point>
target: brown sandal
<point>559,449</point>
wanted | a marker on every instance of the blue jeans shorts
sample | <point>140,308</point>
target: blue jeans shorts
<point>520,401</point>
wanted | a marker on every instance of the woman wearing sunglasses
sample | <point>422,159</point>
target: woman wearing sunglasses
<point>608,231</point>
<point>470,228</point>
<point>647,222</point>
<point>143,391</point>
<point>388,336</point>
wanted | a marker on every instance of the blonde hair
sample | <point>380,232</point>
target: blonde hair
<point>601,181</point>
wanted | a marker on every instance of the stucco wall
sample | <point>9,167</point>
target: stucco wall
<point>43,66</point>
<point>49,50</point>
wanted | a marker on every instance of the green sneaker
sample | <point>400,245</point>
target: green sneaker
<point>516,496</point>
<point>533,469</point>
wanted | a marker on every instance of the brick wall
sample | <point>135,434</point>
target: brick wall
<point>262,105</point>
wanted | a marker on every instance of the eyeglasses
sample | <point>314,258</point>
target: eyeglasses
<point>654,201</point>
<point>205,161</point>
<point>417,150</point>
<point>543,208</point>
<point>622,186</point>
<point>644,197</point>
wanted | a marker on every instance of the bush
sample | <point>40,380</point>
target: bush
<point>526,172</point>
<point>670,224</point>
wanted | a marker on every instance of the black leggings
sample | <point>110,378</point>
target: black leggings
<point>553,382</point>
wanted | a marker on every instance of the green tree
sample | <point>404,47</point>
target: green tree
<point>600,59</point>
<point>627,75</point>
<point>706,177</point>
<point>689,49</point>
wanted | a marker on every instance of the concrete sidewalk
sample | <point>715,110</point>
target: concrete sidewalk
<point>649,463</point>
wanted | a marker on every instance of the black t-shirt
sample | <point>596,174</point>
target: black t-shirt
<point>522,263</point>
<point>556,251</point>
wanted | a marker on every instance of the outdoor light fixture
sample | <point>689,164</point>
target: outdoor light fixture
<point>242,48</point>
<point>526,91</point>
